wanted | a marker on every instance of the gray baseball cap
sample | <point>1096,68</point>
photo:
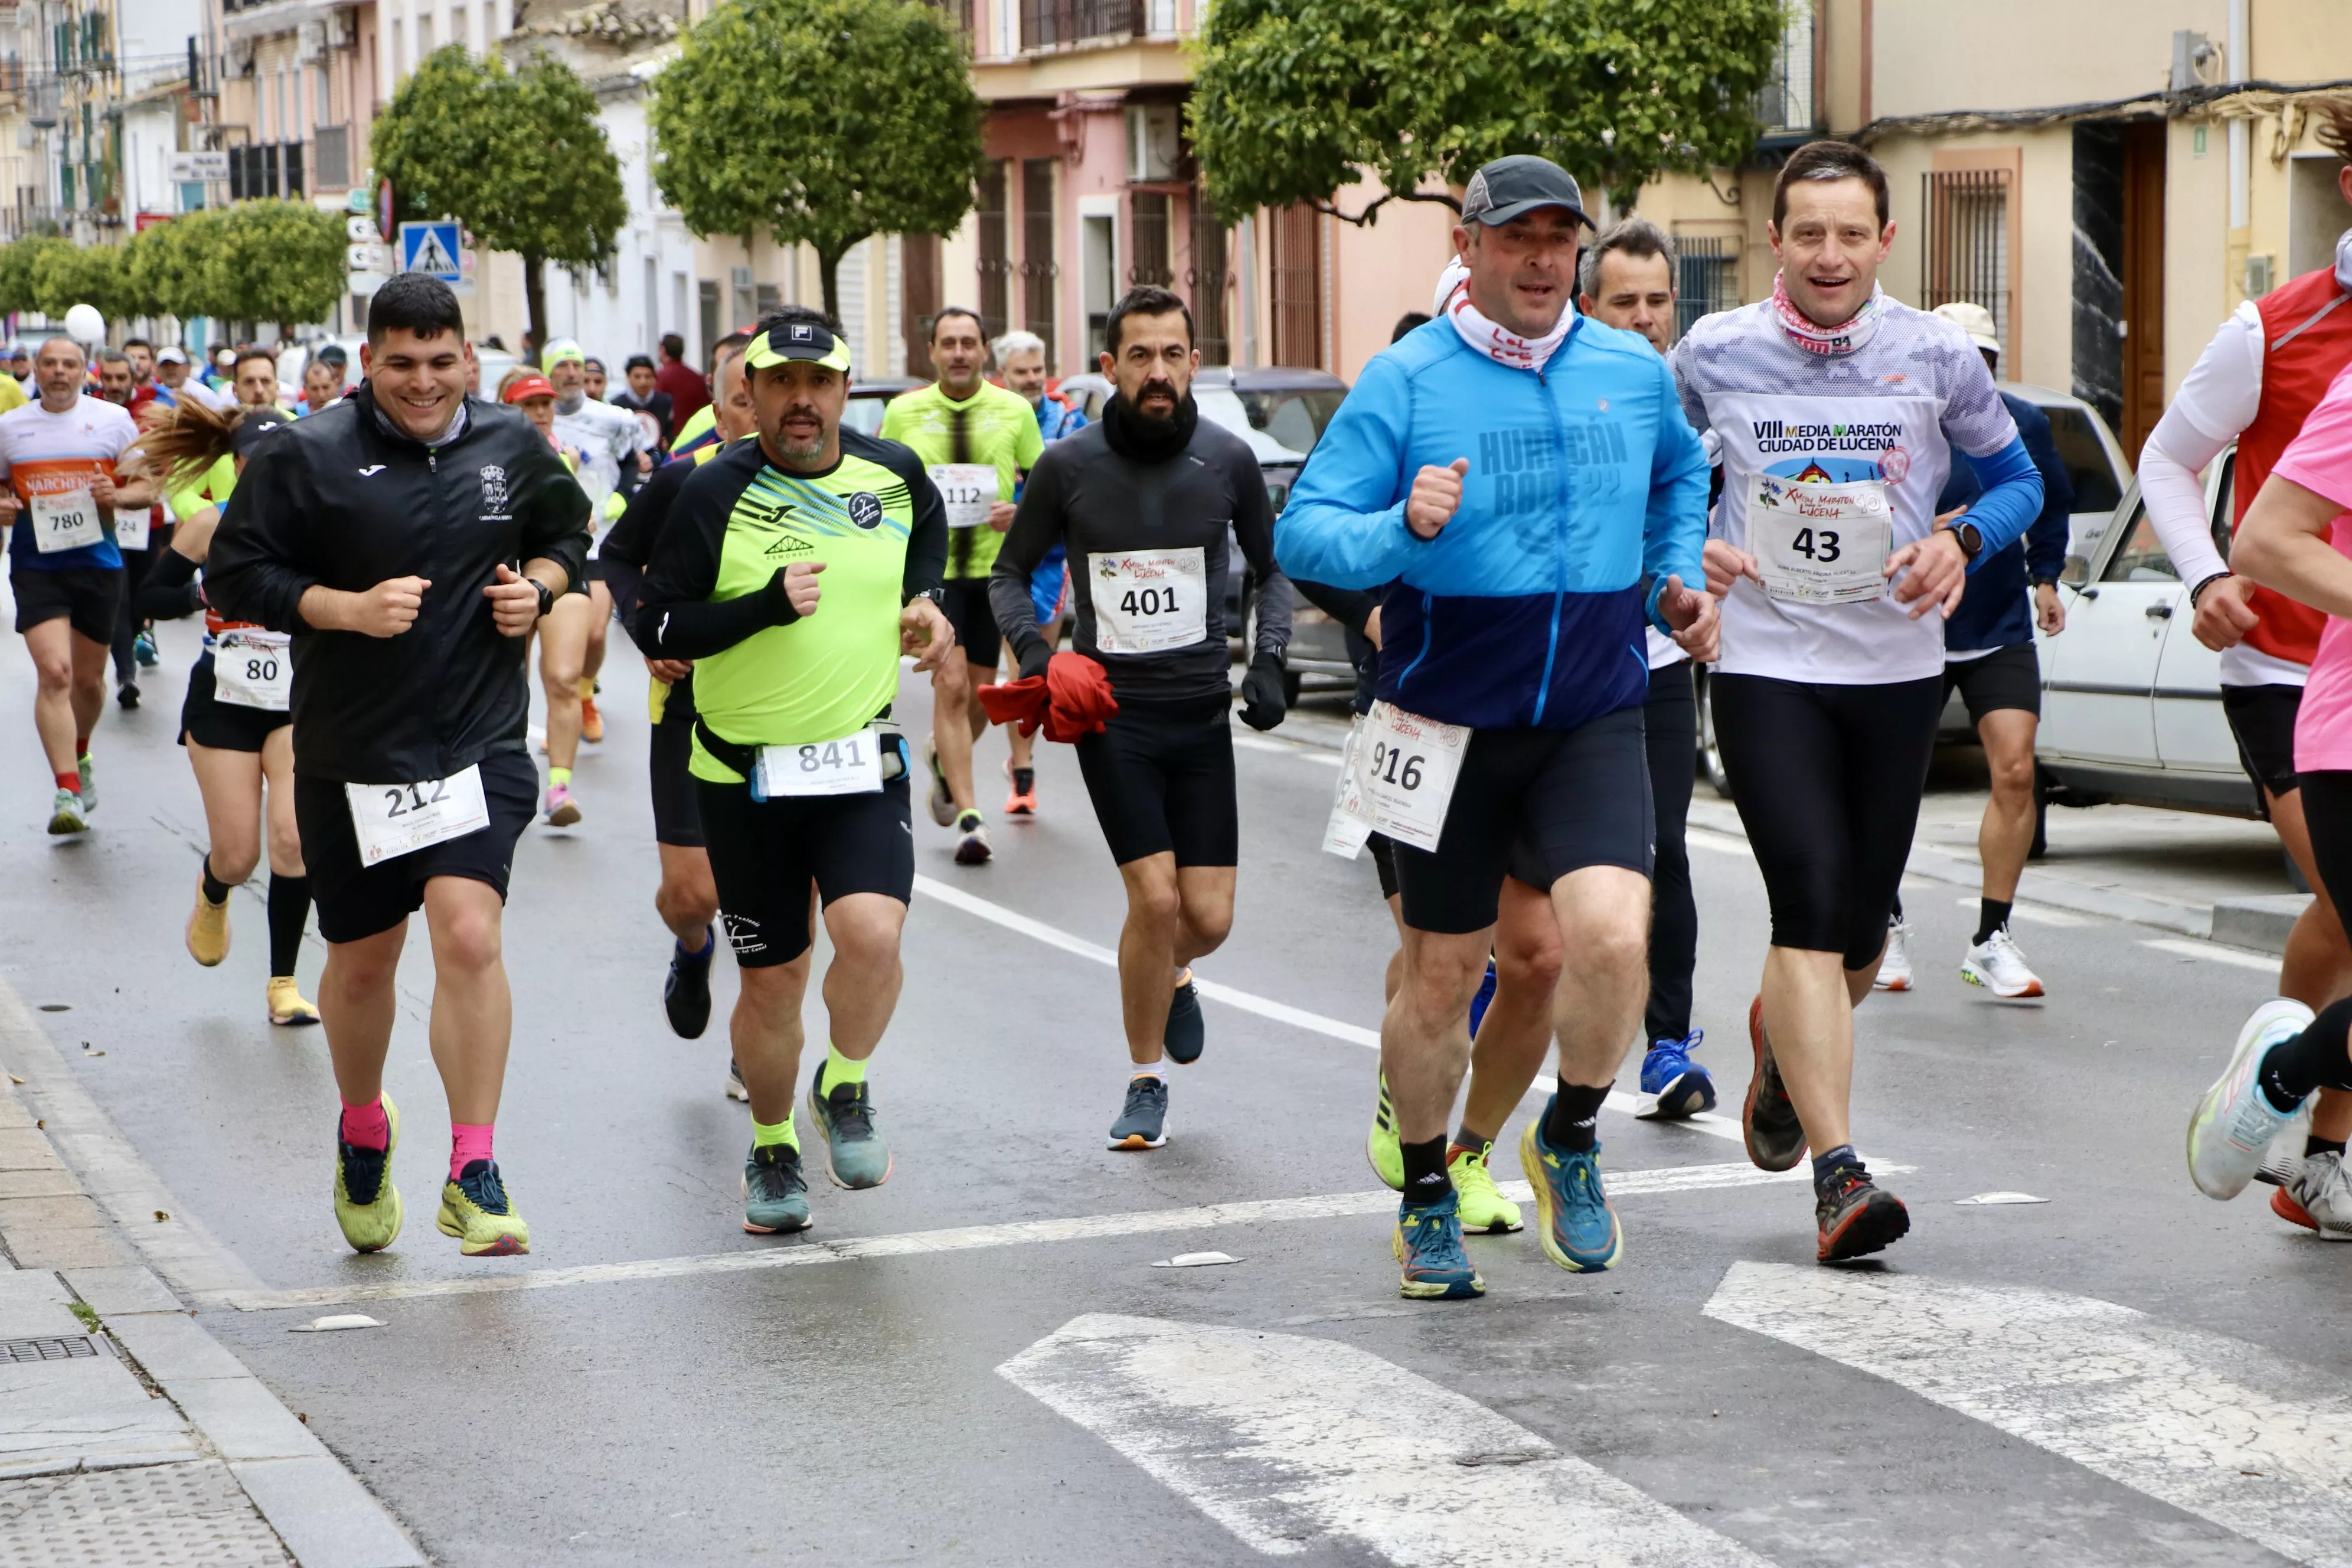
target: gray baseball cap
<point>1514,186</point>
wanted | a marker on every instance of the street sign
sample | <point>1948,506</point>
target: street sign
<point>431,248</point>
<point>189,167</point>
<point>361,231</point>
<point>367,256</point>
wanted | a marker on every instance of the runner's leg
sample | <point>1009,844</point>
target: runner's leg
<point>952,697</point>
<point>51,644</point>
<point>1516,1035</point>
<point>473,1009</point>
<point>357,1000</point>
<point>863,982</point>
<point>2006,835</point>
<point>88,697</point>
<point>230,785</point>
<point>2317,966</point>
<point>1147,944</point>
<point>1603,913</point>
<point>688,899</point>
<point>563,644</point>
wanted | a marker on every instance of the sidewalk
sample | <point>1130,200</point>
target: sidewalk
<point>128,1436</point>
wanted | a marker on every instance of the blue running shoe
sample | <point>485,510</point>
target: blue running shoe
<point>1485,995</point>
<point>1580,1228</point>
<point>1673,1087</point>
<point>1187,1030</point>
<point>1428,1245</point>
<point>143,649</point>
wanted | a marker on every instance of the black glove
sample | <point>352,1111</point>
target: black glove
<point>1262,702</point>
<point>1036,657</point>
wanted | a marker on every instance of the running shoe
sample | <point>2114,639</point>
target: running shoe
<point>592,724</point>
<point>208,929</point>
<point>88,790</point>
<point>1143,1122</point>
<point>1675,1088</point>
<point>2234,1120</point>
<point>735,1086</point>
<point>475,1209</point>
<point>1578,1224</point>
<point>1485,997</point>
<point>1381,1146</point>
<point>1483,1206</point>
<point>66,815</point>
<point>126,696</point>
<point>1427,1242</point>
<point>943,803</point>
<point>2319,1198</point>
<point>288,1008</point>
<point>563,811</point>
<point>1997,964</point>
<point>367,1205</point>
<point>1855,1217</point>
<point>971,849</point>
<point>2285,1156</point>
<point>143,649</point>
<point>1768,1119</point>
<point>855,1156</point>
<point>686,994</point>
<point>1894,965</point>
<point>775,1193</point>
<point>1187,1031</point>
<point>1022,801</point>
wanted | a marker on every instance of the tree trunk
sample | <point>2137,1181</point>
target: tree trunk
<point>534,296</point>
<point>828,274</point>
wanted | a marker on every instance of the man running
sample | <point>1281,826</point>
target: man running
<point>1142,503</point>
<point>801,778</point>
<point>2256,383</point>
<point>1021,357</point>
<point>642,396</point>
<point>977,440</point>
<point>1837,410</point>
<point>1523,471</point>
<point>612,458</point>
<point>408,538</point>
<point>255,378</point>
<point>137,534</point>
<point>65,569</point>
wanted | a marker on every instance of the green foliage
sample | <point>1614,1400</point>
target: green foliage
<point>1293,97</point>
<point>821,122</point>
<point>23,265</point>
<point>66,274</point>
<point>272,261</point>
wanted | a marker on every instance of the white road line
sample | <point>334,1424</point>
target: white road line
<point>2226,1430</point>
<point>2037,915</point>
<point>1714,838</point>
<point>1288,1442</point>
<point>1023,1233</point>
<point>1304,753</point>
<point>2215,953</point>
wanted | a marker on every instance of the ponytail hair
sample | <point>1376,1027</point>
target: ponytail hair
<point>198,434</point>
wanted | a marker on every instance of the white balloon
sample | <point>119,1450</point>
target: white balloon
<point>85,325</point>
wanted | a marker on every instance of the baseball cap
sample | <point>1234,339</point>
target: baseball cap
<point>559,351</point>
<point>332,353</point>
<point>1974,320</point>
<point>1514,186</point>
<point>252,428</point>
<point>528,386</point>
<point>170,353</point>
<point>797,339</point>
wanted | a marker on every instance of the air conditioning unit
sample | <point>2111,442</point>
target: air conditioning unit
<point>1154,142</point>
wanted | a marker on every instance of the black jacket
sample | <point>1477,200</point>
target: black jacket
<point>341,501</point>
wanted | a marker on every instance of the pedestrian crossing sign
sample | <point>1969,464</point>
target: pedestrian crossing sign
<point>431,248</point>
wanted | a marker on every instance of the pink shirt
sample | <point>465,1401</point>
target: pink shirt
<point>2320,460</point>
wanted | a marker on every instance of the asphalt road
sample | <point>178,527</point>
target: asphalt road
<point>2125,1374</point>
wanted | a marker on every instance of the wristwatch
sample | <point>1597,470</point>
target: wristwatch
<point>546,595</point>
<point>1971,541</point>
<point>936,595</point>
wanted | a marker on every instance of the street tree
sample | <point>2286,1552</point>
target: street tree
<point>821,121</point>
<point>517,156</point>
<point>24,267</point>
<point>65,274</point>
<point>275,261</point>
<point>163,266</point>
<point>1294,98</point>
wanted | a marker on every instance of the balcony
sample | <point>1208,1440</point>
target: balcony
<point>1057,24</point>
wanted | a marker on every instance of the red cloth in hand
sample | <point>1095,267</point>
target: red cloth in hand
<point>1079,690</point>
<point>1020,702</point>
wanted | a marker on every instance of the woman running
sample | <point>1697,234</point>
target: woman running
<point>235,722</point>
<point>563,631</point>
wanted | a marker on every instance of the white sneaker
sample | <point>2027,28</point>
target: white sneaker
<point>2234,1120</point>
<point>2285,1159</point>
<point>735,1089</point>
<point>1895,967</point>
<point>1996,964</point>
<point>2322,1192</point>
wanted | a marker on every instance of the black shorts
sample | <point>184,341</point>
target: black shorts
<point>2008,677</point>
<point>1383,850</point>
<point>764,854</point>
<point>2263,720</point>
<point>677,810</point>
<point>224,726</point>
<point>355,901</point>
<point>1161,775</point>
<point>976,633</point>
<point>1537,804</point>
<point>90,597</point>
<point>593,572</point>
<point>1828,780</point>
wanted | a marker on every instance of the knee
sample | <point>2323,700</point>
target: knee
<point>55,675</point>
<point>1211,923</point>
<point>1444,975</point>
<point>2013,776</point>
<point>285,850</point>
<point>232,864</point>
<point>358,969</point>
<point>1155,905</point>
<point>1530,962</point>
<point>469,942</point>
<point>560,677</point>
<point>865,939</point>
<point>1618,947</point>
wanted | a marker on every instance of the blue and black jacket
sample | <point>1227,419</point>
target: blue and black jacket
<point>1996,609</point>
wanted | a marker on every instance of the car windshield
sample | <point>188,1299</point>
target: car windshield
<point>1221,406</point>
<point>1294,416</point>
<point>864,413</point>
<point>2086,460</point>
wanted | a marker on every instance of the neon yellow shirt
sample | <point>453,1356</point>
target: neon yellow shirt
<point>994,427</point>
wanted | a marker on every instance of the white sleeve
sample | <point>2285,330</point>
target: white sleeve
<point>2216,402</point>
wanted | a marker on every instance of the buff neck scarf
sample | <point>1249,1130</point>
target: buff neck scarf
<point>1502,346</point>
<point>1815,338</point>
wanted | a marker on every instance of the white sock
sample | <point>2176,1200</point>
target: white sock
<point>1157,1070</point>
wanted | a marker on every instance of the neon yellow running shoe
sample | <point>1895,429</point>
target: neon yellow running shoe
<point>288,1006</point>
<point>1380,1145</point>
<point>475,1209</point>
<point>1483,1207</point>
<point>367,1205</point>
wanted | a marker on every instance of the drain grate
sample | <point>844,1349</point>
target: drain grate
<point>68,1348</point>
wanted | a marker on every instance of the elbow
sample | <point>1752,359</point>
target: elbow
<point>2255,553</point>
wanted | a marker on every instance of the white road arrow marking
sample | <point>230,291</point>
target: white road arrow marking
<point>2226,1430</point>
<point>1288,1442</point>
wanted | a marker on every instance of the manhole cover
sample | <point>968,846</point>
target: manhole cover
<point>157,1516</point>
<point>65,1349</point>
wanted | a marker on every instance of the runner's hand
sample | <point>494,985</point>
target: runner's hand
<point>102,490</point>
<point>2048,609</point>
<point>1001,514</point>
<point>1696,617</point>
<point>2222,619</point>
<point>1437,494</point>
<point>390,607</point>
<point>794,591</point>
<point>1263,697</point>
<point>1726,567</point>
<point>669,671</point>
<point>514,601</point>
<point>924,632</point>
<point>1934,571</point>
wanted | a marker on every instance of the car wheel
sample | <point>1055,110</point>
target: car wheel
<point>1710,752</point>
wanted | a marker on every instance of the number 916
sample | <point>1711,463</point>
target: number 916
<point>1391,765</point>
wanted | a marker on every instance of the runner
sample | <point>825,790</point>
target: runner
<point>562,630</point>
<point>800,777</point>
<point>322,385</point>
<point>642,396</point>
<point>688,392</point>
<point>1510,419</point>
<point>235,723</point>
<point>59,457</point>
<point>612,459</point>
<point>2264,371</point>
<point>1143,502</point>
<point>977,440</point>
<point>1837,410</point>
<point>1021,356</point>
<point>255,379</point>
<point>138,535</point>
<point>408,538</point>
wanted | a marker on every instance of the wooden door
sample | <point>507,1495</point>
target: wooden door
<point>2143,281</point>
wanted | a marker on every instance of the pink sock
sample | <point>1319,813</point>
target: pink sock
<point>467,1144</point>
<point>366,1126</point>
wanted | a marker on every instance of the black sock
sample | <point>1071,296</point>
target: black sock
<point>1568,1124</point>
<point>1021,779</point>
<point>216,891</point>
<point>1992,914</point>
<point>1425,1181</point>
<point>1464,1138</point>
<point>2321,1146</point>
<point>2317,1058</point>
<point>290,909</point>
<point>1827,1166</point>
